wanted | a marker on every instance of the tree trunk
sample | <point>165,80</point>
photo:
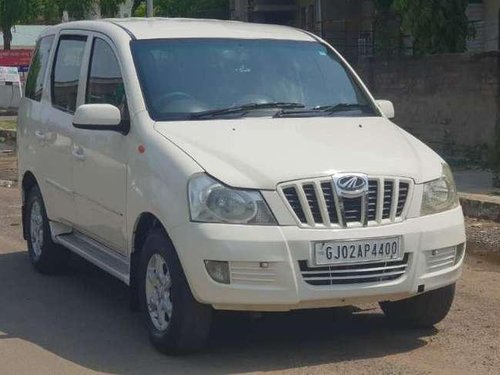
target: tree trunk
<point>7,38</point>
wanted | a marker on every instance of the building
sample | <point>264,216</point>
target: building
<point>346,24</point>
<point>349,24</point>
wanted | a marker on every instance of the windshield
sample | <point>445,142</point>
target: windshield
<point>183,77</point>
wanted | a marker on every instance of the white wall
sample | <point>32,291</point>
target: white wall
<point>9,96</point>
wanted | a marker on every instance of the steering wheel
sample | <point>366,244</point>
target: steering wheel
<point>164,99</point>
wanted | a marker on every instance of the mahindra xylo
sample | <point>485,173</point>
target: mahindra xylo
<point>223,165</point>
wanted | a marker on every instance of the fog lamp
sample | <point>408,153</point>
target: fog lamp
<point>218,270</point>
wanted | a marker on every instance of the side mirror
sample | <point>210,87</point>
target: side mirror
<point>98,117</point>
<point>386,107</point>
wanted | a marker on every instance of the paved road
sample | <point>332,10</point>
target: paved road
<point>79,323</point>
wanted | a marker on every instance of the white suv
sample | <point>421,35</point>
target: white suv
<point>229,166</point>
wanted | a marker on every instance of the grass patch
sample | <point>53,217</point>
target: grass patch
<point>8,124</point>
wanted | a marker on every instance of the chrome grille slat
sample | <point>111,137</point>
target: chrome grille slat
<point>441,265</point>
<point>355,273</point>
<point>354,277</point>
<point>315,203</point>
<point>373,269</point>
<point>322,203</point>
<point>329,199</point>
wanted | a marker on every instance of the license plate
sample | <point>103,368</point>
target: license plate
<point>355,251</point>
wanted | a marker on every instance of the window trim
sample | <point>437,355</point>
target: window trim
<point>124,126</point>
<point>89,68</point>
<point>47,66</point>
<point>64,36</point>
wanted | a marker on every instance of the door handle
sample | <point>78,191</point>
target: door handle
<point>78,153</point>
<point>40,135</point>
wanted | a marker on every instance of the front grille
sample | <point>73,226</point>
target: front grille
<point>355,273</point>
<point>315,203</point>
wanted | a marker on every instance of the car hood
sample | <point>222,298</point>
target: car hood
<point>262,152</point>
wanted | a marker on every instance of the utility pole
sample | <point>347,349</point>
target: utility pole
<point>149,8</point>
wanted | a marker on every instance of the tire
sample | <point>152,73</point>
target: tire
<point>46,256</point>
<point>422,311</point>
<point>176,322</point>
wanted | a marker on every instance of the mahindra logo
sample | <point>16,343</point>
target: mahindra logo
<point>351,184</point>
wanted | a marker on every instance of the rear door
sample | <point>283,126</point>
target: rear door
<point>32,127</point>
<point>100,173</point>
<point>65,95</point>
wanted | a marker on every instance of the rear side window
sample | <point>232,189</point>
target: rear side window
<point>38,68</point>
<point>105,82</point>
<point>66,72</point>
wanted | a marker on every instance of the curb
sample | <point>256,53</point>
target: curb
<point>481,206</point>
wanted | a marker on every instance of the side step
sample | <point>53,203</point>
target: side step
<point>98,254</point>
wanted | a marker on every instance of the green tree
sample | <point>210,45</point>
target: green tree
<point>437,26</point>
<point>139,8</point>
<point>51,11</point>
<point>109,8</point>
<point>45,11</point>
<point>11,13</point>
<point>387,29</point>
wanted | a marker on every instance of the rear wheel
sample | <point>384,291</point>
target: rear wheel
<point>46,256</point>
<point>176,322</point>
<point>421,311</point>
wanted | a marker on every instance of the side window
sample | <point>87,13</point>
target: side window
<point>36,75</point>
<point>66,72</point>
<point>105,82</point>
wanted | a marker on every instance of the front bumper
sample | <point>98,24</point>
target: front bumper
<point>281,286</point>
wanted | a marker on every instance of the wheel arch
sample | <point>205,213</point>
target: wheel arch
<point>144,224</point>
<point>28,182</point>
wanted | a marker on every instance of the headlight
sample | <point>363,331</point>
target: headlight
<point>441,194</point>
<point>212,202</point>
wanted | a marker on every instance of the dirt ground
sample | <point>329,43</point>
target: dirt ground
<point>8,166</point>
<point>79,323</point>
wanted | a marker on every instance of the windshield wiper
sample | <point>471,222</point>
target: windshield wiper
<point>341,107</point>
<point>322,110</point>
<point>244,109</point>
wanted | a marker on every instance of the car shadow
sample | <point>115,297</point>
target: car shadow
<point>83,316</point>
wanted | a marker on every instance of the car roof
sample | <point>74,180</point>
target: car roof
<point>170,28</point>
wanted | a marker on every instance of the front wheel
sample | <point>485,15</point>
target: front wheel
<point>424,310</point>
<point>176,322</point>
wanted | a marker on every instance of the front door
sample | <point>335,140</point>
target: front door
<point>100,163</point>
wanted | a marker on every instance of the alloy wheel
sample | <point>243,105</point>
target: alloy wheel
<point>158,292</point>
<point>36,228</point>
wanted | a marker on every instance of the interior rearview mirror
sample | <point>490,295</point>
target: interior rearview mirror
<point>98,117</point>
<point>386,107</point>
